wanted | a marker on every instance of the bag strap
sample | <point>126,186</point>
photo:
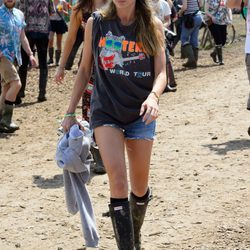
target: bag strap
<point>59,14</point>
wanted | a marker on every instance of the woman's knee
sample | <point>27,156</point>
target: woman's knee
<point>118,184</point>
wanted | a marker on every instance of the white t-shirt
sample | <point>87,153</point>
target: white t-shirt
<point>247,44</point>
<point>162,9</point>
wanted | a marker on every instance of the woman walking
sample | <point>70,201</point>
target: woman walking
<point>191,22</point>
<point>126,44</point>
<point>81,13</point>
<point>58,26</point>
<point>220,16</point>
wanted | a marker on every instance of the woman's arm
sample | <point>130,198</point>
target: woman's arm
<point>65,8</point>
<point>183,8</point>
<point>167,13</point>
<point>74,25</point>
<point>82,76</point>
<point>207,2</point>
<point>150,106</point>
<point>167,21</point>
<point>201,2</point>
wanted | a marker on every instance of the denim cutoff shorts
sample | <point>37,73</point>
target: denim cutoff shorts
<point>136,130</point>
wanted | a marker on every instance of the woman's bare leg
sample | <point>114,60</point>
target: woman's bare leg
<point>139,155</point>
<point>111,145</point>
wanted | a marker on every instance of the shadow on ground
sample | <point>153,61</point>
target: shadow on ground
<point>224,148</point>
<point>47,183</point>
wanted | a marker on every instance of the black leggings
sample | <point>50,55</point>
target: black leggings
<point>219,33</point>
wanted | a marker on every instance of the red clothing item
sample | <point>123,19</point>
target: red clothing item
<point>86,100</point>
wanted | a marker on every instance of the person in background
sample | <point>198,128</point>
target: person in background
<point>126,43</point>
<point>77,44</point>
<point>173,16</point>
<point>12,36</point>
<point>81,12</point>
<point>58,26</point>
<point>37,13</point>
<point>239,4</point>
<point>189,35</point>
<point>220,16</point>
<point>177,22</point>
<point>163,12</point>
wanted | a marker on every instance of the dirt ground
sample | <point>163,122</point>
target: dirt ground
<point>199,171</point>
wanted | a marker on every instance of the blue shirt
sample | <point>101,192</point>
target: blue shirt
<point>11,25</point>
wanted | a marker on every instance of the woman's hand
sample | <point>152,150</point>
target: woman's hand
<point>59,75</point>
<point>68,122</point>
<point>150,108</point>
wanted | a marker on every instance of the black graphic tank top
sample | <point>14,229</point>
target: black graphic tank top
<point>124,74</point>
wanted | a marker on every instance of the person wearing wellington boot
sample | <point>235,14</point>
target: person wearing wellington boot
<point>126,43</point>
<point>220,16</point>
<point>191,22</point>
<point>12,33</point>
<point>58,27</point>
<point>81,13</point>
<point>37,14</point>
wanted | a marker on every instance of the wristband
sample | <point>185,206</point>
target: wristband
<point>70,115</point>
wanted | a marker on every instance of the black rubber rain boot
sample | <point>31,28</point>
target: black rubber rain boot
<point>196,54</point>
<point>58,56</point>
<point>51,56</point>
<point>188,51</point>
<point>23,77</point>
<point>214,55</point>
<point>220,55</point>
<point>183,55</point>
<point>6,124</point>
<point>139,207</point>
<point>43,77</point>
<point>122,224</point>
<point>98,164</point>
<point>171,85</point>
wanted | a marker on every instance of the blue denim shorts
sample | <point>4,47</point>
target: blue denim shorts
<point>136,130</point>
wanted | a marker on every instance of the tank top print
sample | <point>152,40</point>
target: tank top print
<point>124,74</point>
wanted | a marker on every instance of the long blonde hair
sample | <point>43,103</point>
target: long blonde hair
<point>147,33</point>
